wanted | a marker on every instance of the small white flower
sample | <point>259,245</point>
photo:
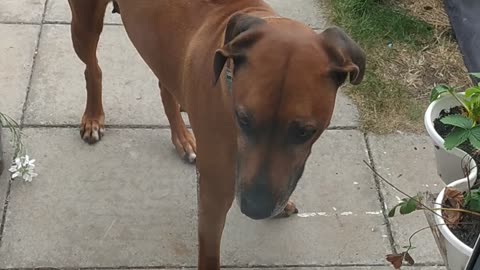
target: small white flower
<point>23,167</point>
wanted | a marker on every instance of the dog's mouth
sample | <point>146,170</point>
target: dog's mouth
<point>258,202</point>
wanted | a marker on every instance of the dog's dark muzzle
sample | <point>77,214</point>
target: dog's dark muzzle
<point>257,202</point>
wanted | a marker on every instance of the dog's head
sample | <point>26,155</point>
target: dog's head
<point>285,80</point>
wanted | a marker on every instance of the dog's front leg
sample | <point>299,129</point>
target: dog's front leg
<point>216,195</point>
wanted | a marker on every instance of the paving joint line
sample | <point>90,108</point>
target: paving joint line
<point>24,108</point>
<point>380,195</point>
<point>34,61</point>
<point>68,126</point>
<point>130,126</point>
<point>19,23</point>
<point>68,23</point>
<point>53,22</point>
<point>240,266</point>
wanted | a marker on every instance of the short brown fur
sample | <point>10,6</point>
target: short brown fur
<point>251,140</point>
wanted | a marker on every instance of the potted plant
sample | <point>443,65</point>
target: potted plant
<point>459,238</point>
<point>22,165</point>
<point>451,121</point>
<point>455,221</point>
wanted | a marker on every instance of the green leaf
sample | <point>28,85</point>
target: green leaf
<point>473,91</point>
<point>438,91</point>
<point>474,137</point>
<point>472,200</point>
<point>409,207</point>
<point>475,74</point>
<point>458,121</point>
<point>391,213</point>
<point>456,137</point>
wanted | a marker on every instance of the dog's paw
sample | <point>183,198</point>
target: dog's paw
<point>185,144</point>
<point>92,129</point>
<point>289,210</point>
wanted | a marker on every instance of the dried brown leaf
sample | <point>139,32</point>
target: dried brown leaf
<point>454,199</point>
<point>396,260</point>
<point>408,258</point>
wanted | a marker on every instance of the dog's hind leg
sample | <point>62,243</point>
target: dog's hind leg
<point>86,27</point>
<point>182,138</point>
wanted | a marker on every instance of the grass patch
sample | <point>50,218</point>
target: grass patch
<point>384,99</point>
<point>371,21</point>
<point>385,106</point>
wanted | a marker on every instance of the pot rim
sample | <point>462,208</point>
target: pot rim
<point>439,141</point>
<point>446,232</point>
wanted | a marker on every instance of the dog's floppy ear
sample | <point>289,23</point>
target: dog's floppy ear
<point>240,34</point>
<point>347,58</point>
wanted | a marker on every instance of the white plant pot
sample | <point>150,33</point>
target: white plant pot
<point>457,252</point>
<point>449,162</point>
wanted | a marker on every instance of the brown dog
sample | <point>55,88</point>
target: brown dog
<point>259,90</point>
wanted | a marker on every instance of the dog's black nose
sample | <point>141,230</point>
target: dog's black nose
<point>257,202</point>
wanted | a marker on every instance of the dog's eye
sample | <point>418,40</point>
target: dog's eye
<point>301,134</point>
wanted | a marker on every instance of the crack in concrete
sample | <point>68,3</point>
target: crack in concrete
<point>380,195</point>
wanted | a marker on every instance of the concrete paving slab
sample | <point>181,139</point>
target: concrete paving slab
<point>65,217</point>
<point>21,11</point>
<point>131,95</point>
<point>5,176</point>
<point>345,113</point>
<point>59,11</point>
<point>339,221</point>
<point>330,268</point>
<point>17,48</point>
<point>311,12</point>
<point>126,201</point>
<point>130,90</point>
<point>408,162</point>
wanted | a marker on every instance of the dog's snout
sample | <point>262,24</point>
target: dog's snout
<point>257,202</point>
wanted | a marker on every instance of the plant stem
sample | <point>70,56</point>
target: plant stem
<point>12,125</point>
<point>397,189</point>
<point>454,94</point>
<point>416,232</point>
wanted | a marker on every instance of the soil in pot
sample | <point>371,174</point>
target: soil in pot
<point>468,228</point>
<point>443,130</point>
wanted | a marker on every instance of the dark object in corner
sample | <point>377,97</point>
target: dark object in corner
<point>474,261</point>
<point>465,20</point>
<point>116,8</point>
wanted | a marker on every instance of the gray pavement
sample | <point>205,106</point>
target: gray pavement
<point>130,202</point>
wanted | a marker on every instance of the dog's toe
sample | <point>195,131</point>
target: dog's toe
<point>289,210</point>
<point>184,143</point>
<point>92,131</point>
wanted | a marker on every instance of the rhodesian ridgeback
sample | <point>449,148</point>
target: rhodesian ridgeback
<point>259,89</point>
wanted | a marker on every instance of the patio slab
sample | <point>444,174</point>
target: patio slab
<point>332,268</point>
<point>339,221</point>
<point>58,94</point>
<point>310,12</point>
<point>130,89</point>
<point>7,157</point>
<point>139,207</point>
<point>17,49</point>
<point>408,162</point>
<point>22,11</point>
<point>58,11</point>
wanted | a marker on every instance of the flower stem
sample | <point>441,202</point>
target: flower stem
<point>12,125</point>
